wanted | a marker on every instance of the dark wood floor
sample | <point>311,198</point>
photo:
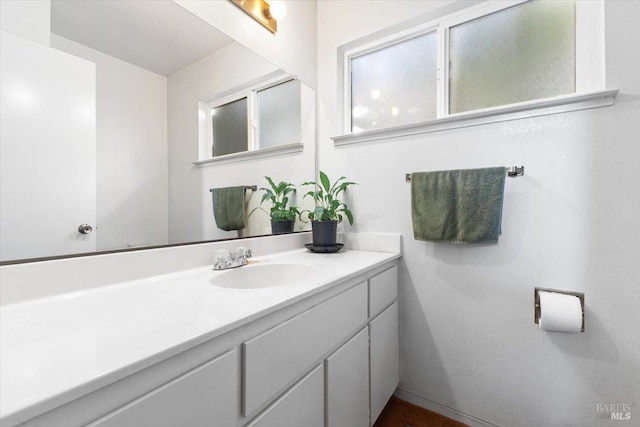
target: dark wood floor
<point>399,413</point>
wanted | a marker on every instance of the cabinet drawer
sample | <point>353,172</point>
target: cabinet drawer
<point>205,396</point>
<point>383,289</point>
<point>303,405</point>
<point>280,355</point>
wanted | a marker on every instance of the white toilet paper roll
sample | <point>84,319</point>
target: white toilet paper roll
<point>560,312</point>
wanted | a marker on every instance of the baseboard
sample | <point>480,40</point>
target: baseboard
<point>430,405</point>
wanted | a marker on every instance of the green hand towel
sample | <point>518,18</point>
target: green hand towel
<point>229,208</point>
<point>458,206</point>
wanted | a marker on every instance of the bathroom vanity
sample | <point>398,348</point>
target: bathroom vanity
<point>294,338</point>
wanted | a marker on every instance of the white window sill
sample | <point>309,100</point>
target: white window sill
<point>251,155</point>
<point>560,104</point>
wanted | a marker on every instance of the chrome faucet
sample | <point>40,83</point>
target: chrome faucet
<point>225,259</point>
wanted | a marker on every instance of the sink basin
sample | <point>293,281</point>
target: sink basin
<point>268,275</point>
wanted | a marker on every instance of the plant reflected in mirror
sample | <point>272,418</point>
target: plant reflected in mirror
<point>283,214</point>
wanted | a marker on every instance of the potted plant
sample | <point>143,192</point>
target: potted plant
<point>329,209</point>
<point>283,217</point>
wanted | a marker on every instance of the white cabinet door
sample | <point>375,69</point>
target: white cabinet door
<point>204,397</point>
<point>348,383</point>
<point>47,150</point>
<point>385,359</point>
<point>301,406</point>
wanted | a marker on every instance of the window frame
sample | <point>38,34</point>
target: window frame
<point>250,91</point>
<point>251,94</point>
<point>589,77</point>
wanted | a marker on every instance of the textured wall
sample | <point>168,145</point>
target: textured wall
<point>468,341</point>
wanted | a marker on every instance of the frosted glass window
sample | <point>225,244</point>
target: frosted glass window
<point>279,120</point>
<point>230,132</point>
<point>395,85</point>
<point>518,54</point>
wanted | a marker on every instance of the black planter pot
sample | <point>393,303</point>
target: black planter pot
<point>324,232</point>
<point>282,226</point>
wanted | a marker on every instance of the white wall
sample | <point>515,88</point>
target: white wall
<point>131,172</point>
<point>292,48</point>
<point>28,19</point>
<point>468,341</point>
<point>190,204</point>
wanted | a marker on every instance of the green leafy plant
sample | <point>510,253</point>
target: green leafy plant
<point>278,195</point>
<point>328,204</point>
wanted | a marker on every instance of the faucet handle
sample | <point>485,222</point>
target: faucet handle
<point>240,255</point>
<point>222,259</point>
<point>244,252</point>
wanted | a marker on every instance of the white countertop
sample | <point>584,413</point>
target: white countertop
<point>55,349</point>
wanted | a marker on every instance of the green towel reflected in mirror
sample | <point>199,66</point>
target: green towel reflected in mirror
<point>229,207</point>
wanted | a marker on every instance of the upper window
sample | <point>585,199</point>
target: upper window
<point>395,85</point>
<point>486,57</point>
<point>518,54</point>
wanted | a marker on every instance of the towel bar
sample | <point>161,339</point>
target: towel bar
<point>246,187</point>
<point>513,171</point>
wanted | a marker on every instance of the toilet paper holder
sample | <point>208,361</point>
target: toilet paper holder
<point>536,299</point>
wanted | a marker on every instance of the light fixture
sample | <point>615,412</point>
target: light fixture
<point>278,9</point>
<point>263,12</point>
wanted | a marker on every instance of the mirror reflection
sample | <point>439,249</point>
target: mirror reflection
<point>110,125</point>
<point>266,116</point>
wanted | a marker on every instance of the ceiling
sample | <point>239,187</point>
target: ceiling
<point>157,35</point>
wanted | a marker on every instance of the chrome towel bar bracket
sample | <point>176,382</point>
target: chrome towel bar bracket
<point>514,171</point>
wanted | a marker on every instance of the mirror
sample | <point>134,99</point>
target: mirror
<point>137,177</point>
